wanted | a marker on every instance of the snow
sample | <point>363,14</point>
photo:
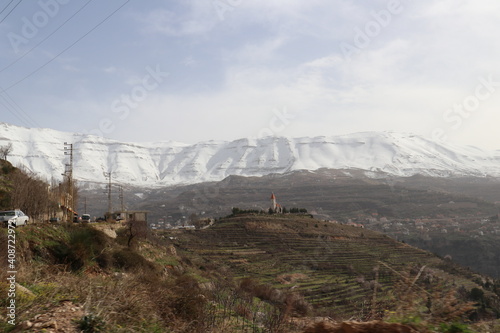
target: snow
<point>171,163</point>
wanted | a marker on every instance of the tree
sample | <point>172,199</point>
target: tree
<point>194,220</point>
<point>5,151</point>
<point>136,230</point>
<point>31,194</point>
<point>476,294</point>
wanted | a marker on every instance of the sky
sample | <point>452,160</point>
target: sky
<point>198,70</point>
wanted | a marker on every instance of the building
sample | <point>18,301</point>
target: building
<point>275,206</point>
<point>130,215</point>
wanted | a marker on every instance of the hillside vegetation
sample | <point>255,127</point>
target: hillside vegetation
<point>24,190</point>
<point>480,254</point>
<point>244,274</point>
<point>341,271</point>
<point>5,186</point>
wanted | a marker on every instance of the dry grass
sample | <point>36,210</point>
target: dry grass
<point>120,290</point>
<point>423,308</point>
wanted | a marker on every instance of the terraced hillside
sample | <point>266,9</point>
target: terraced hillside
<point>243,274</point>
<point>341,270</point>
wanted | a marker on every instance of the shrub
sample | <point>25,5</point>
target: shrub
<point>91,324</point>
<point>188,302</point>
<point>63,254</point>
<point>130,260</point>
<point>84,245</point>
<point>292,301</point>
<point>454,328</point>
<point>476,294</point>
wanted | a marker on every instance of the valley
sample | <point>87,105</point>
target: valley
<point>435,214</point>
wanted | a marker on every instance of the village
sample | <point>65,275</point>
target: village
<point>472,226</point>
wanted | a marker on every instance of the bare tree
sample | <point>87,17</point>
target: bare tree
<point>136,229</point>
<point>194,220</point>
<point>5,151</point>
<point>31,194</point>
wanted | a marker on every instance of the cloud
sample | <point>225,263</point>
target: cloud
<point>111,69</point>
<point>187,19</point>
<point>228,74</point>
<point>70,68</point>
<point>262,51</point>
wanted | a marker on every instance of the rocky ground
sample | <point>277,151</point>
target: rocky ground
<point>61,318</point>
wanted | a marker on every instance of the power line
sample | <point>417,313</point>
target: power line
<point>47,37</point>
<point>18,107</point>
<point>17,4</point>
<point>3,10</point>
<point>14,113</point>
<point>19,113</point>
<point>67,48</point>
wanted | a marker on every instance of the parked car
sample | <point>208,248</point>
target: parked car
<point>54,220</point>
<point>15,217</point>
<point>85,218</point>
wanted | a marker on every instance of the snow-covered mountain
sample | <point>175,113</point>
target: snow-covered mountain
<point>170,163</point>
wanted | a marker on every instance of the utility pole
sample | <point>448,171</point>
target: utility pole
<point>121,199</point>
<point>68,172</point>
<point>110,208</point>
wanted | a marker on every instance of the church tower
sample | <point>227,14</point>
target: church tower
<point>274,205</point>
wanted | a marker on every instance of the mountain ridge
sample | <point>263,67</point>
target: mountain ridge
<point>171,163</point>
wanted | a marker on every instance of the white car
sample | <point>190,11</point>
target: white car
<point>15,217</point>
<point>85,218</point>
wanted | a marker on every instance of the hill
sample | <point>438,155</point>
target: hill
<point>328,194</point>
<point>245,273</point>
<point>336,267</point>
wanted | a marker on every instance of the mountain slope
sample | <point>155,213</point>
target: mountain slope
<point>243,274</point>
<point>170,163</point>
<point>334,266</point>
<point>327,194</point>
